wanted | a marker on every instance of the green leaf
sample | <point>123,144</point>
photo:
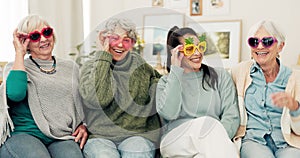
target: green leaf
<point>189,40</point>
<point>202,37</point>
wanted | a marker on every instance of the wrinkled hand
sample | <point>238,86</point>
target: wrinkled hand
<point>20,42</point>
<point>176,57</point>
<point>81,135</point>
<point>104,40</point>
<point>282,99</point>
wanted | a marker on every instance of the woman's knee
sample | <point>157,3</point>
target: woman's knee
<point>99,147</point>
<point>17,146</point>
<point>250,149</point>
<point>65,148</point>
<point>137,145</point>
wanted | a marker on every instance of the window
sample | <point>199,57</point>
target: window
<point>14,11</point>
<point>86,18</point>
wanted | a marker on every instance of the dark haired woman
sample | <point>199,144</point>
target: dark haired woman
<point>198,102</point>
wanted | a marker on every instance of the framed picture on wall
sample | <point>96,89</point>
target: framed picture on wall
<point>216,7</point>
<point>196,7</point>
<point>155,30</point>
<point>223,40</point>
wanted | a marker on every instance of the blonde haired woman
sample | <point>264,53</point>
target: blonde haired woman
<point>41,111</point>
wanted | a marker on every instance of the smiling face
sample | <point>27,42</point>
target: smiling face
<point>265,56</point>
<point>42,48</point>
<point>120,44</point>
<point>192,62</point>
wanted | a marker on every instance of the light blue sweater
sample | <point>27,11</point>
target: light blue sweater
<point>180,97</point>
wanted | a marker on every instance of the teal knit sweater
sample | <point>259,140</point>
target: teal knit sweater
<point>119,97</point>
<point>181,97</point>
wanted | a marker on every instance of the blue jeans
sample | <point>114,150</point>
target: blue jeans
<point>25,145</point>
<point>131,147</point>
<point>251,149</point>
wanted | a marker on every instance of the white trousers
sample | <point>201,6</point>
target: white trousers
<point>203,137</point>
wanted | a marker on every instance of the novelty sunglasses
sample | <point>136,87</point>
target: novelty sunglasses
<point>266,41</point>
<point>35,36</point>
<point>189,49</point>
<point>114,40</point>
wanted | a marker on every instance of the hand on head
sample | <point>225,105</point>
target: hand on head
<point>104,40</point>
<point>20,42</point>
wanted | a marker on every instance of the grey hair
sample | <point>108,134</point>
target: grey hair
<point>125,24</point>
<point>31,23</point>
<point>270,27</point>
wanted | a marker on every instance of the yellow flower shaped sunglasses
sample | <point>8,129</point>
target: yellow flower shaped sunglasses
<point>190,48</point>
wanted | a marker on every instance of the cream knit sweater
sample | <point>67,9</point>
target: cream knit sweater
<point>290,126</point>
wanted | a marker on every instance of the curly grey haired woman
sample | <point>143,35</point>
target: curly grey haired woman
<point>118,88</point>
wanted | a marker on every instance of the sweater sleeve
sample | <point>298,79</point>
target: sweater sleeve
<point>96,80</point>
<point>297,112</point>
<point>294,87</point>
<point>230,117</point>
<point>16,85</point>
<point>168,94</point>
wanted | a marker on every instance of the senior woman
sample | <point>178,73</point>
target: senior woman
<point>41,110</point>
<point>269,95</point>
<point>118,88</point>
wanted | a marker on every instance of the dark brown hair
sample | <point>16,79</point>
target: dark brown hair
<point>209,74</point>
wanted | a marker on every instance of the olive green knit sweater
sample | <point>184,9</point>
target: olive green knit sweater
<point>120,97</point>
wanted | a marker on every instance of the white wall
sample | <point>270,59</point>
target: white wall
<point>66,18</point>
<point>285,13</point>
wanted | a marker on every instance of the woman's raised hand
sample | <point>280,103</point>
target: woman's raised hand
<point>177,56</point>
